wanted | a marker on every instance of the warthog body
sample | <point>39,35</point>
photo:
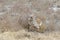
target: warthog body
<point>32,23</point>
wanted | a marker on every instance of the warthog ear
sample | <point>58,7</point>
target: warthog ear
<point>30,17</point>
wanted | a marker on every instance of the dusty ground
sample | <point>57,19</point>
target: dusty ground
<point>12,10</point>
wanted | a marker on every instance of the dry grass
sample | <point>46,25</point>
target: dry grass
<point>24,35</point>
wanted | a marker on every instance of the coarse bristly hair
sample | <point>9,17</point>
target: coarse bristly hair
<point>31,22</point>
